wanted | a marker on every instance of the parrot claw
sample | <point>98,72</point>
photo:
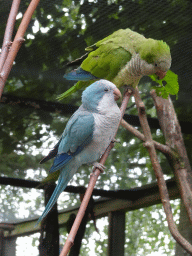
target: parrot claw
<point>129,88</point>
<point>100,166</point>
<point>115,141</point>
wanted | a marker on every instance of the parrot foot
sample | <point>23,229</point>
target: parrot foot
<point>129,88</point>
<point>115,141</point>
<point>100,166</point>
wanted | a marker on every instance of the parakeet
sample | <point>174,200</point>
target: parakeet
<point>123,58</point>
<point>87,134</point>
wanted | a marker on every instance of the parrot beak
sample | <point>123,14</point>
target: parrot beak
<point>161,74</point>
<point>117,94</point>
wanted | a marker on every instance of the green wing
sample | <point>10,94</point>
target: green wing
<point>105,62</point>
<point>125,38</point>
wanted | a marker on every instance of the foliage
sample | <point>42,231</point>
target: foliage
<point>171,86</point>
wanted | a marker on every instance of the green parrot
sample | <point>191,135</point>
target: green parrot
<point>123,58</point>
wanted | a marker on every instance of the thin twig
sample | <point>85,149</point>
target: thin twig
<point>17,43</point>
<point>179,160</point>
<point>93,178</point>
<point>159,174</point>
<point>163,148</point>
<point>9,31</point>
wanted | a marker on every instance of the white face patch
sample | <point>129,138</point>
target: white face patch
<point>93,94</point>
<point>106,102</point>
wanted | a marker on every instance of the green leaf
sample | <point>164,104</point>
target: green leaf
<point>171,86</point>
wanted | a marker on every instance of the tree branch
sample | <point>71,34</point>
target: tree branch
<point>163,148</point>
<point>17,43</point>
<point>63,109</point>
<point>49,106</point>
<point>178,158</point>
<point>9,31</point>
<point>159,174</point>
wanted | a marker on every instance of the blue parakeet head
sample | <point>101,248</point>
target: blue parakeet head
<point>93,95</point>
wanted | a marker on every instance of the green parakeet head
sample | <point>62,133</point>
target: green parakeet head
<point>156,53</point>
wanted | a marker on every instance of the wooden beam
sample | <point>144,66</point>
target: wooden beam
<point>7,244</point>
<point>129,194</point>
<point>102,208</point>
<point>6,226</point>
<point>116,233</point>
<point>1,242</point>
<point>49,238</point>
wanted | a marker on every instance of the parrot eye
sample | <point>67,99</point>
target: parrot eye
<point>106,90</point>
<point>155,64</point>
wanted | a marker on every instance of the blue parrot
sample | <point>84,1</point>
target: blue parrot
<point>87,134</point>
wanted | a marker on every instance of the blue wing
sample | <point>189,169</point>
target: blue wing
<point>77,134</point>
<point>64,158</point>
<point>80,75</point>
<point>79,127</point>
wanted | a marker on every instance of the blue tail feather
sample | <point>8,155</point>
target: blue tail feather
<point>59,188</point>
<point>64,178</point>
<point>80,75</point>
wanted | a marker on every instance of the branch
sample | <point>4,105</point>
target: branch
<point>53,107</point>
<point>93,178</point>
<point>163,148</point>
<point>9,32</point>
<point>179,160</point>
<point>48,106</point>
<point>17,43</point>
<point>159,175</point>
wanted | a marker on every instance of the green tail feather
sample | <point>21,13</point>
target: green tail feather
<point>51,177</point>
<point>75,88</point>
<point>72,90</point>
